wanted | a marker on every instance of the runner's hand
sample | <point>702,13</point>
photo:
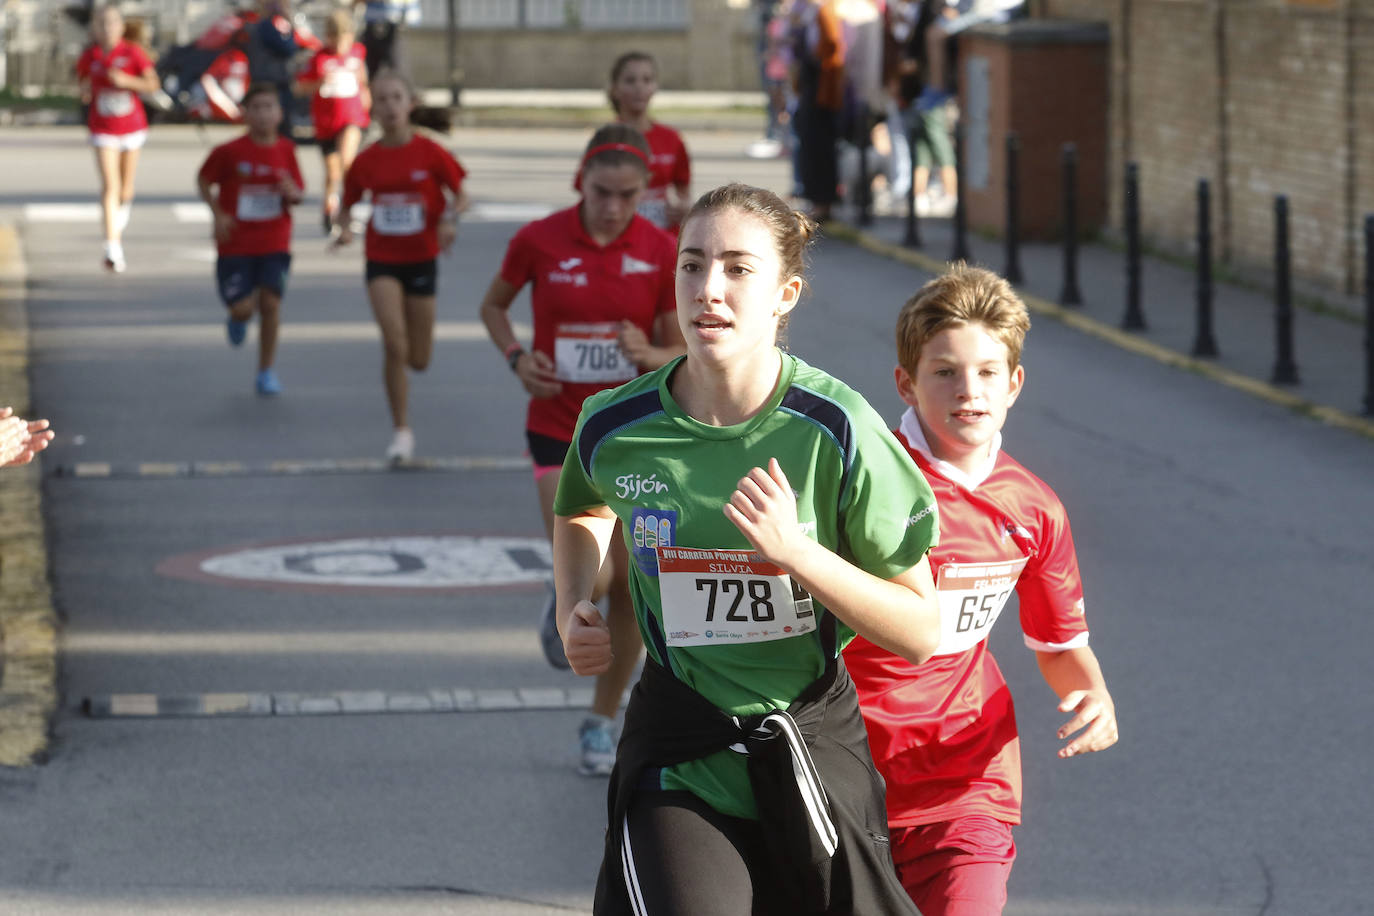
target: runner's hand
<point>21,439</point>
<point>448,232</point>
<point>1095,715</point>
<point>587,642</point>
<point>764,509</point>
<point>224,227</point>
<point>634,343</point>
<point>537,373</point>
<point>289,192</point>
<point>345,235</point>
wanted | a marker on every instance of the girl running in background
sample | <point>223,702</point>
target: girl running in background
<point>602,306</point>
<point>416,187</point>
<point>335,79</point>
<point>112,73</point>
<point>787,518</point>
<point>634,80</point>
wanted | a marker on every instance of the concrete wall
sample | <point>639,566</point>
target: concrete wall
<point>1261,97</point>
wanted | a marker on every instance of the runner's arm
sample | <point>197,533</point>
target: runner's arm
<point>1076,678</point>
<point>899,614</point>
<point>580,545</point>
<point>222,223</point>
<point>146,81</point>
<point>535,370</point>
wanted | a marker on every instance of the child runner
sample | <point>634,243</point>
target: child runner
<point>634,80</point>
<point>250,185</point>
<point>112,72</point>
<point>335,79</point>
<point>944,732</point>
<point>770,515</point>
<point>603,311</point>
<point>416,188</point>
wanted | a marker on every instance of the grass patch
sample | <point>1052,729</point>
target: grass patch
<point>11,99</point>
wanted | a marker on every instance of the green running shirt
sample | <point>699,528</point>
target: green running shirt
<point>667,478</point>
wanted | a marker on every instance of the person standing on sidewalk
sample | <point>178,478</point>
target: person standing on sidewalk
<point>381,36</point>
<point>785,518</point>
<point>602,304</point>
<point>250,185</point>
<point>820,60</point>
<point>943,732</point>
<point>112,72</point>
<point>634,80</point>
<point>417,192</point>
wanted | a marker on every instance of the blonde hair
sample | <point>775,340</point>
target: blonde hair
<point>962,295</point>
<point>339,24</point>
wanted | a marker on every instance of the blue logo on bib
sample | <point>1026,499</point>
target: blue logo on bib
<point>650,528</point>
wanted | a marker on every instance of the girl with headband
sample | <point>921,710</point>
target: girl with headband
<point>634,80</point>
<point>602,304</point>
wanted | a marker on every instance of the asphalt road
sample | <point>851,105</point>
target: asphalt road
<point>420,758</point>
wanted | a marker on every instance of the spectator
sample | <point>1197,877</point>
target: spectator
<point>381,35</point>
<point>21,439</point>
<point>820,98</point>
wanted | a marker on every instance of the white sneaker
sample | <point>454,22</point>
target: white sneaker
<point>922,204</point>
<point>402,447</point>
<point>114,257</point>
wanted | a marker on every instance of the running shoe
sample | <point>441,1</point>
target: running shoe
<point>402,447</point>
<point>114,257</point>
<point>549,640</point>
<point>236,330</point>
<point>597,736</point>
<point>268,383</point>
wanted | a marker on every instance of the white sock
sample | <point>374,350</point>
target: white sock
<point>122,217</point>
<point>114,250</point>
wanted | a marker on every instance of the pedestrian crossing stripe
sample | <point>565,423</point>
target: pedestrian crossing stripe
<point>100,470</point>
<point>336,703</point>
<point>196,212</point>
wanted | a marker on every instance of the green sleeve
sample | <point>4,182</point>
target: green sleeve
<point>576,491</point>
<point>890,517</point>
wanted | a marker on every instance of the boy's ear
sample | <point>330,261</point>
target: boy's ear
<point>906,387</point>
<point>1018,379</point>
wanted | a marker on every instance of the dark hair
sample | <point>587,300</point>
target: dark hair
<point>612,135</point>
<point>261,87</point>
<point>621,62</point>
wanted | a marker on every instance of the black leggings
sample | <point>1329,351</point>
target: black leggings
<point>684,858</point>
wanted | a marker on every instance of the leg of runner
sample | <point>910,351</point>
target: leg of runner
<point>107,165</point>
<point>333,181</point>
<point>128,168</point>
<point>419,316</point>
<point>388,306</point>
<point>269,321</point>
<point>240,312</point>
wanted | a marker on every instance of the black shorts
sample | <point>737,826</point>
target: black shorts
<point>546,451</point>
<point>417,278</point>
<point>238,275</point>
<point>330,145</point>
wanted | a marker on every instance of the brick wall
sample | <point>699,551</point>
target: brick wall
<point>1261,97</point>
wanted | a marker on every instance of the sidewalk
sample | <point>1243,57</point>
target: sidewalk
<point>1328,343</point>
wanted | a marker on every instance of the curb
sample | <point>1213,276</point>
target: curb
<point>28,623</point>
<point>1125,340</point>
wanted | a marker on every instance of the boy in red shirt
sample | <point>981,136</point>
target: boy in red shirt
<point>112,71</point>
<point>250,185</point>
<point>335,79</point>
<point>944,733</point>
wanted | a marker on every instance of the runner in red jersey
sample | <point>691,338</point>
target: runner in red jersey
<point>634,80</point>
<point>335,79</point>
<point>603,312</point>
<point>112,73</point>
<point>944,733</point>
<point>416,188</point>
<point>250,184</point>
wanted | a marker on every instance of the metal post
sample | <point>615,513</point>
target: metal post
<point>912,239</point>
<point>455,81</point>
<point>1204,343</point>
<point>1069,294</point>
<point>960,251</point>
<point>862,192</point>
<point>1285,369</point>
<point>1369,315</point>
<point>1134,319</point>
<point>1012,270</point>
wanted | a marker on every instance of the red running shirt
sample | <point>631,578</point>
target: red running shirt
<point>338,102</point>
<point>406,183</point>
<point>669,166</point>
<point>113,111</point>
<point>943,734</point>
<point>581,292</point>
<point>248,175</point>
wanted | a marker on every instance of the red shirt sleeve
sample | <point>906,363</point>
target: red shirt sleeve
<point>83,63</point>
<point>682,167</point>
<point>1050,590</point>
<point>311,70</point>
<point>139,60</point>
<point>212,167</point>
<point>517,268</point>
<point>451,172</point>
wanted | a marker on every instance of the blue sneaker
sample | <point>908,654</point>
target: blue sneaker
<point>597,736</point>
<point>237,330</point>
<point>268,384</point>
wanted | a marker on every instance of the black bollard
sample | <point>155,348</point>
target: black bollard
<point>960,251</point>
<point>864,193</point>
<point>912,239</point>
<point>1012,270</point>
<point>1134,319</point>
<point>1204,344</point>
<point>1369,315</point>
<point>1069,294</point>
<point>1285,369</point>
